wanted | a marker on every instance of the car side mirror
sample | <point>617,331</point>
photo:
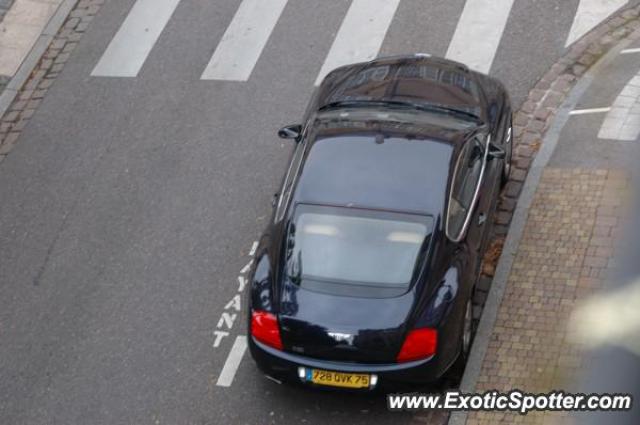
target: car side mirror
<point>496,152</point>
<point>290,132</point>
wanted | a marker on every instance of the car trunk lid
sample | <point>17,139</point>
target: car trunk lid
<point>343,328</point>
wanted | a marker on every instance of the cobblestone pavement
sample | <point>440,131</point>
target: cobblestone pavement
<point>565,253</point>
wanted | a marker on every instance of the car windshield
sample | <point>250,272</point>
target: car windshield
<point>355,247</point>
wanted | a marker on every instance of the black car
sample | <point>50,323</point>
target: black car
<point>366,271</point>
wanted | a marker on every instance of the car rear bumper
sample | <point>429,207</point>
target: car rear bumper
<point>285,366</point>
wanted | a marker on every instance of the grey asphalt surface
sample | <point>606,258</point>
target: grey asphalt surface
<point>579,145</point>
<point>129,206</point>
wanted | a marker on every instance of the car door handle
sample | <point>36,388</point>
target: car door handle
<point>482,217</point>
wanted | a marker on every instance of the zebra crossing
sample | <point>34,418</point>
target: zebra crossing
<point>133,42</point>
<point>361,34</point>
<point>589,14</point>
<point>248,33</point>
<point>477,37</point>
<point>479,32</point>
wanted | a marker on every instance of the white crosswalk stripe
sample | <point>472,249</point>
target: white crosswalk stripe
<point>133,42</point>
<point>475,42</point>
<point>244,40</point>
<point>623,119</point>
<point>479,32</point>
<point>589,14</point>
<point>361,34</point>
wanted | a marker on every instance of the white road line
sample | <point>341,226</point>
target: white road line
<point>589,14</point>
<point>254,246</point>
<point>629,51</point>
<point>233,362</point>
<point>133,42</point>
<point>361,34</point>
<point>246,267</point>
<point>589,111</point>
<point>623,120</point>
<point>477,36</point>
<point>244,40</point>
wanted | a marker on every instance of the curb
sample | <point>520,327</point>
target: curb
<point>33,57</point>
<point>520,215</point>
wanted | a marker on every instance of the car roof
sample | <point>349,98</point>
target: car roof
<point>412,78</point>
<point>376,170</point>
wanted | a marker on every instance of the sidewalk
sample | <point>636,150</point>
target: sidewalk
<point>20,27</point>
<point>564,250</point>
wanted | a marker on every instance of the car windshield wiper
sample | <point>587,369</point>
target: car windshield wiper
<point>400,105</point>
<point>450,110</point>
<point>350,104</point>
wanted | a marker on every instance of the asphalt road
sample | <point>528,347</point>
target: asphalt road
<point>130,205</point>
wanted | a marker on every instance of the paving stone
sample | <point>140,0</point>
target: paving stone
<point>27,113</point>
<point>61,58</point>
<point>45,84</point>
<point>507,204</point>
<point>523,163</point>
<point>46,64</point>
<point>25,94</point>
<point>512,189</point>
<point>523,151</point>
<point>57,44</point>
<point>38,94</point>
<point>33,104</point>
<point>518,175</point>
<point>529,344</point>
<point>82,27</point>
<point>72,23</point>
<point>19,126</point>
<point>51,53</point>
<point>8,143</point>
<point>484,284</point>
<point>503,217</point>
<point>536,125</point>
<point>11,116</point>
<point>542,114</point>
<point>18,105</point>
<point>68,48</point>
<point>579,69</point>
<point>553,100</point>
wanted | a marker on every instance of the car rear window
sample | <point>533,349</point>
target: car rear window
<point>329,246</point>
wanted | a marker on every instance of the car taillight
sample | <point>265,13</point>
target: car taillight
<point>419,344</point>
<point>264,328</point>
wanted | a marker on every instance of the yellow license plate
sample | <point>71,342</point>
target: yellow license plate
<point>339,379</point>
